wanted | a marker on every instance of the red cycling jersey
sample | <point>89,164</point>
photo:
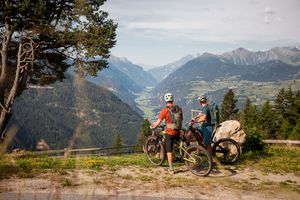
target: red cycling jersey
<point>164,114</point>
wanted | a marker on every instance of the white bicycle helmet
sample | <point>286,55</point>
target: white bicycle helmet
<point>202,99</point>
<point>169,97</point>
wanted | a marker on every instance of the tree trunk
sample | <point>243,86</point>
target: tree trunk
<point>24,58</point>
<point>4,77</point>
<point>4,58</point>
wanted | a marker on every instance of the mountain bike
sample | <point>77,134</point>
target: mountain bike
<point>226,150</point>
<point>195,157</point>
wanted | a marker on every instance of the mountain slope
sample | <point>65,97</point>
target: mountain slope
<point>160,73</point>
<point>206,67</point>
<point>120,84</point>
<point>73,112</point>
<point>134,72</point>
<point>272,71</point>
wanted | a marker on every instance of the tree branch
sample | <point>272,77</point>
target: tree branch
<point>2,106</point>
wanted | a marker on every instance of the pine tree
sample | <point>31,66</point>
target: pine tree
<point>38,36</point>
<point>293,107</point>
<point>287,104</point>
<point>297,104</point>
<point>280,103</point>
<point>267,122</point>
<point>145,132</point>
<point>280,110</point>
<point>228,107</point>
<point>249,121</point>
<point>296,131</point>
<point>296,110</point>
<point>249,116</point>
<point>117,143</point>
<point>285,129</point>
<point>289,96</point>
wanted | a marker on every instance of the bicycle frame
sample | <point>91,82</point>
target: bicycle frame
<point>181,147</point>
<point>182,150</point>
<point>198,135</point>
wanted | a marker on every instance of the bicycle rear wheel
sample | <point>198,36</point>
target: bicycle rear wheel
<point>155,150</point>
<point>198,160</point>
<point>227,151</point>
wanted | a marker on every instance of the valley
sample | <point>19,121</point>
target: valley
<point>257,92</point>
<point>143,102</point>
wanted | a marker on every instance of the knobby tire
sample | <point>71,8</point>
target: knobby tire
<point>227,151</point>
<point>198,160</point>
<point>155,150</point>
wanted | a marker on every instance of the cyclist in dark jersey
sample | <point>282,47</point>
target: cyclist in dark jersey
<point>206,127</point>
<point>171,134</point>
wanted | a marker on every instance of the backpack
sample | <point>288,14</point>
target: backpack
<point>214,114</point>
<point>176,117</point>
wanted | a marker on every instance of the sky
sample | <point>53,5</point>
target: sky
<point>158,32</point>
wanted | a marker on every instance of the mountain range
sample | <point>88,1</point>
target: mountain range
<point>213,75</point>
<point>160,73</point>
<point>241,56</point>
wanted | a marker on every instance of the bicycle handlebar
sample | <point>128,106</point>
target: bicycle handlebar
<point>190,122</point>
<point>160,126</point>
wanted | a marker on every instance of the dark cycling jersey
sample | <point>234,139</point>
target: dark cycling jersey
<point>205,110</point>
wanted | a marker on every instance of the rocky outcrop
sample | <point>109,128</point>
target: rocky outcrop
<point>42,145</point>
<point>230,129</point>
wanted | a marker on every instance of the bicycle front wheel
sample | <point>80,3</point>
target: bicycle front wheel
<point>198,160</point>
<point>227,151</point>
<point>155,151</point>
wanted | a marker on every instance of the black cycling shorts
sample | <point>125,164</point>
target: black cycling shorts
<point>170,141</point>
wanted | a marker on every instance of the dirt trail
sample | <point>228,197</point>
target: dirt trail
<point>153,183</point>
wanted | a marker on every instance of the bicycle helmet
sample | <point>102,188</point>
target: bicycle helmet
<point>202,99</point>
<point>169,97</point>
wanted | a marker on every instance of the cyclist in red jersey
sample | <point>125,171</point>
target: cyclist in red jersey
<point>172,134</point>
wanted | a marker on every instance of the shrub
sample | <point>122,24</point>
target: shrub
<point>253,141</point>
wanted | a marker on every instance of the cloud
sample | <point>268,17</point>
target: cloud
<point>270,16</point>
<point>267,19</point>
<point>269,11</point>
<point>211,22</point>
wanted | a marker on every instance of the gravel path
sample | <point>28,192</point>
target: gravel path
<point>154,183</point>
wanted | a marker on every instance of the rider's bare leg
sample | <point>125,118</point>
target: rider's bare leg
<point>170,159</point>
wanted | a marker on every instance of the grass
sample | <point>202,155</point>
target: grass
<point>27,165</point>
<point>67,182</point>
<point>102,170</point>
<point>273,159</point>
<point>289,186</point>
